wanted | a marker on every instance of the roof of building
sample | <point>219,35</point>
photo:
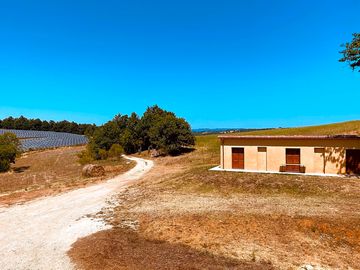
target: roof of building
<point>292,137</point>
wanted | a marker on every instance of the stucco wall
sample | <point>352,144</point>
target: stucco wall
<point>261,160</point>
<point>318,156</point>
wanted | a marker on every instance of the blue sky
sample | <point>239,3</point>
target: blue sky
<point>217,63</point>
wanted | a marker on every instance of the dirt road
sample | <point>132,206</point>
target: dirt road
<point>38,234</point>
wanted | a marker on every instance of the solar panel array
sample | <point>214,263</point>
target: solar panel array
<point>33,139</point>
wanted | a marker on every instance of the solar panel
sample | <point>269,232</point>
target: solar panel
<point>33,139</point>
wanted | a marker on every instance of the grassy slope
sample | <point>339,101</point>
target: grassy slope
<point>350,127</point>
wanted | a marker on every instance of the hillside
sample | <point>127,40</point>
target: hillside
<point>349,127</point>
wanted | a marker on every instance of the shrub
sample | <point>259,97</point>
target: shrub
<point>4,165</point>
<point>9,150</point>
<point>115,151</point>
<point>85,157</point>
<point>103,154</point>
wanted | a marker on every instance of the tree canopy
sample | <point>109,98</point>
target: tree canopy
<point>23,123</point>
<point>9,149</point>
<point>351,53</point>
<point>156,129</point>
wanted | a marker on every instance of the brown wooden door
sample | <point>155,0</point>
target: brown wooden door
<point>353,161</point>
<point>292,160</point>
<point>238,158</point>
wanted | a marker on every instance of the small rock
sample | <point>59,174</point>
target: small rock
<point>155,153</point>
<point>307,267</point>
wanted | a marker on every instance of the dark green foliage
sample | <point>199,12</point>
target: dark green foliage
<point>9,149</point>
<point>351,53</point>
<point>23,123</point>
<point>108,134</point>
<point>151,116</point>
<point>131,139</point>
<point>156,129</point>
<point>170,134</point>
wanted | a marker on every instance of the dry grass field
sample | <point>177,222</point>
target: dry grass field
<point>350,127</point>
<point>46,172</point>
<point>183,216</point>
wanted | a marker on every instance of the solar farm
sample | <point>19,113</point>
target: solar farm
<point>33,140</point>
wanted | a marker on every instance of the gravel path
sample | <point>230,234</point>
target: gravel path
<point>37,235</point>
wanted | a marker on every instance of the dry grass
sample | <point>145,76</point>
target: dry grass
<point>279,221</point>
<point>350,127</point>
<point>46,172</point>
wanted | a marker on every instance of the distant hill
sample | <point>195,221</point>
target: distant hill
<point>350,127</point>
<point>223,130</point>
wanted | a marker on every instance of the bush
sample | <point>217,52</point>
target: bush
<point>115,151</point>
<point>103,154</point>
<point>85,157</point>
<point>4,165</point>
<point>9,150</point>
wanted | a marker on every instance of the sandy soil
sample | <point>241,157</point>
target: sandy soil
<point>37,235</point>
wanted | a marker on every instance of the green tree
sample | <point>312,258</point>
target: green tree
<point>131,136</point>
<point>103,138</point>
<point>8,123</point>
<point>89,130</point>
<point>151,116</point>
<point>9,149</point>
<point>23,123</point>
<point>157,129</point>
<point>171,134</point>
<point>351,53</point>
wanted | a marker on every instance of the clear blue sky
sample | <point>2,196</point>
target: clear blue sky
<point>218,63</point>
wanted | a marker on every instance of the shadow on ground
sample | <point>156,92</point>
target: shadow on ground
<point>125,249</point>
<point>21,169</point>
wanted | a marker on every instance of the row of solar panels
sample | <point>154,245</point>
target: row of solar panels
<point>32,139</point>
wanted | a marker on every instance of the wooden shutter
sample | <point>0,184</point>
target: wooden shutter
<point>238,158</point>
<point>292,160</point>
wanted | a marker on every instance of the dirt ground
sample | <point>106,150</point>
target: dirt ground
<point>42,173</point>
<point>217,220</point>
<point>126,249</point>
<point>38,234</point>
